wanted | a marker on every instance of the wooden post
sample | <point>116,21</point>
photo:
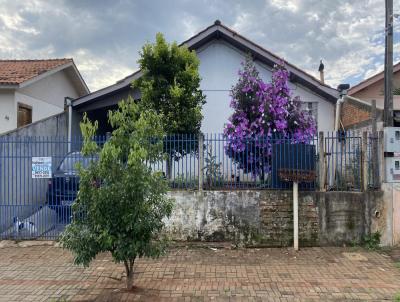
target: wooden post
<point>201,160</point>
<point>374,146</point>
<point>373,116</point>
<point>388,72</point>
<point>321,161</point>
<point>296,215</point>
<point>364,161</point>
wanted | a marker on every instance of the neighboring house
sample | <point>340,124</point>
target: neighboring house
<point>221,51</point>
<point>31,90</point>
<point>357,114</point>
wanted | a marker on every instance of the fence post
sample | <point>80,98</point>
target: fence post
<point>364,161</point>
<point>295,215</point>
<point>321,161</point>
<point>201,160</point>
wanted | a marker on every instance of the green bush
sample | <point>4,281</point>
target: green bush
<point>371,241</point>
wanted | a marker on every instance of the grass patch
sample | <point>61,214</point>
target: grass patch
<point>397,297</point>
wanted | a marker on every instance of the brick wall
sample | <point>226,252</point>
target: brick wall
<point>265,218</point>
<point>276,214</point>
<point>352,114</point>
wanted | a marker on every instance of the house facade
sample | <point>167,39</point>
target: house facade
<point>221,52</point>
<point>31,90</point>
<point>356,114</point>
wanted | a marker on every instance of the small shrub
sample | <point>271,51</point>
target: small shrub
<point>212,169</point>
<point>121,201</point>
<point>371,241</point>
<point>184,181</point>
<point>397,297</point>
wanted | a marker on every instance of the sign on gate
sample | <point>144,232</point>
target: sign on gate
<point>41,167</point>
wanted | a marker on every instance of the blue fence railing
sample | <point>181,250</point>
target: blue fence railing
<point>38,183</point>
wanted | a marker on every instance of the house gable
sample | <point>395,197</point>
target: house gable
<point>217,31</point>
<point>40,85</point>
<point>219,65</point>
<point>52,89</point>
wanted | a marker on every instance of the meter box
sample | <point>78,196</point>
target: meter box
<point>392,139</point>
<point>393,169</point>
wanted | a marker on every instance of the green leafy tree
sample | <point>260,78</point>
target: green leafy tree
<point>170,85</point>
<point>121,202</point>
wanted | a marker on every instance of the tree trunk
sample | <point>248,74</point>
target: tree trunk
<point>129,273</point>
<point>129,280</point>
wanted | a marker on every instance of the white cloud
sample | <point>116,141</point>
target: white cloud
<point>91,67</point>
<point>16,23</point>
<point>291,5</point>
<point>104,37</point>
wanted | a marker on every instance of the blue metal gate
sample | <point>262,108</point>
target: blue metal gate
<point>343,161</point>
<point>35,200</point>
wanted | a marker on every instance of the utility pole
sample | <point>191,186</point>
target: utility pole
<point>388,89</point>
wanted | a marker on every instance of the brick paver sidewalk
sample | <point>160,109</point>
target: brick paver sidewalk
<point>46,273</point>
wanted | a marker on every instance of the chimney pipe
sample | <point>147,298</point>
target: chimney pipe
<point>321,72</point>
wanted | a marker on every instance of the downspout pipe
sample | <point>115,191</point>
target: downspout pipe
<point>342,96</point>
<point>68,102</point>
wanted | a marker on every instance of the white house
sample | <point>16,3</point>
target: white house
<point>221,51</point>
<point>31,90</point>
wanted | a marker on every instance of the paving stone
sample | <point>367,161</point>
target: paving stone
<point>47,273</point>
<point>7,243</point>
<point>29,243</point>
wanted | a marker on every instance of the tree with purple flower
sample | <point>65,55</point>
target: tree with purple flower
<point>263,112</point>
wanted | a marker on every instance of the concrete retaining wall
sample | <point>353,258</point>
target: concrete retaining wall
<point>265,218</point>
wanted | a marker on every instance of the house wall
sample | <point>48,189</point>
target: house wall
<point>46,97</point>
<point>8,119</point>
<point>40,109</point>
<point>375,92</point>
<point>396,214</point>
<point>219,65</point>
<point>52,89</point>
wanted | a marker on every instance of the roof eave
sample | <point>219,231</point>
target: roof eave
<point>109,90</point>
<point>44,75</point>
<point>9,86</point>
<point>85,88</point>
<point>372,80</point>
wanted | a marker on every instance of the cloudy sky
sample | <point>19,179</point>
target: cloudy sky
<point>104,37</point>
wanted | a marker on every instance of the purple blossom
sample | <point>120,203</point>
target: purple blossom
<point>261,112</point>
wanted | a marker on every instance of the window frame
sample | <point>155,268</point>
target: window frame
<point>26,107</point>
